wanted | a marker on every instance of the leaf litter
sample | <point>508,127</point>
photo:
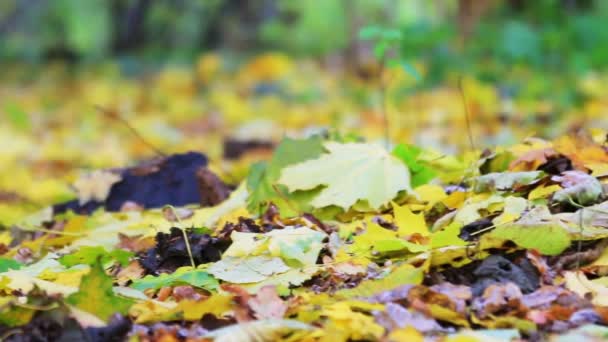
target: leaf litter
<point>324,237</point>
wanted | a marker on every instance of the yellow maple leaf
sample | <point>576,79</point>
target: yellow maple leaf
<point>217,305</point>
<point>409,223</point>
<point>152,311</point>
<point>406,334</point>
<point>455,199</point>
<point>543,191</point>
<point>430,194</point>
<point>346,324</point>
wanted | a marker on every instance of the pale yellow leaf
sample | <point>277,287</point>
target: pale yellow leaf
<point>95,186</point>
<point>349,173</point>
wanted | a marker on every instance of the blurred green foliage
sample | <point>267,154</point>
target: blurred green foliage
<point>541,35</point>
<point>552,41</point>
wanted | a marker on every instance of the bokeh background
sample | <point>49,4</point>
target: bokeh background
<point>105,83</point>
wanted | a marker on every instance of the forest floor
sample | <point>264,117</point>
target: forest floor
<point>261,201</point>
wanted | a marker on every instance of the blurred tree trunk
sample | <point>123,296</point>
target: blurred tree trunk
<point>236,24</point>
<point>128,23</point>
<point>469,14</point>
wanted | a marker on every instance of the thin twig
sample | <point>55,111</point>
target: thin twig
<point>10,333</point>
<point>467,114</point>
<point>579,243</point>
<point>383,109</point>
<point>114,116</point>
<point>467,120</point>
<point>181,227</point>
<point>50,231</point>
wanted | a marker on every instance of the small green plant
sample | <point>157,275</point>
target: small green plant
<point>386,43</point>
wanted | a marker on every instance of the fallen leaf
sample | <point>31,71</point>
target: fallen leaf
<point>183,275</point>
<point>263,330</point>
<point>535,230</point>
<point>349,173</point>
<point>579,187</point>
<point>421,172</point>
<point>397,316</point>
<point>408,333</point>
<point>580,284</point>
<point>297,246</point>
<point>408,223</point>
<point>267,304</point>
<point>501,181</point>
<point>531,160</point>
<point>88,255</point>
<point>95,186</point>
<point>247,270</point>
<point>262,180</point>
<point>344,323</point>
<point>216,305</point>
<point>96,296</point>
<point>401,275</point>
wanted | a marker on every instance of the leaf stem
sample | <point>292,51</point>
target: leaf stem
<point>179,221</point>
<point>579,243</point>
<point>467,114</point>
<point>114,116</point>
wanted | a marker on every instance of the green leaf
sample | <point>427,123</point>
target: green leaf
<point>293,151</point>
<point>88,255</point>
<point>17,116</point>
<point>349,173</point>
<point>12,315</point>
<point>9,264</point>
<point>380,49</point>
<point>370,32</point>
<point>547,238</point>
<point>262,179</point>
<point>391,35</point>
<point>183,275</point>
<point>409,68</point>
<point>379,241</point>
<point>398,245</point>
<point>96,295</point>
<point>448,236</point>
<point>421,172</point>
